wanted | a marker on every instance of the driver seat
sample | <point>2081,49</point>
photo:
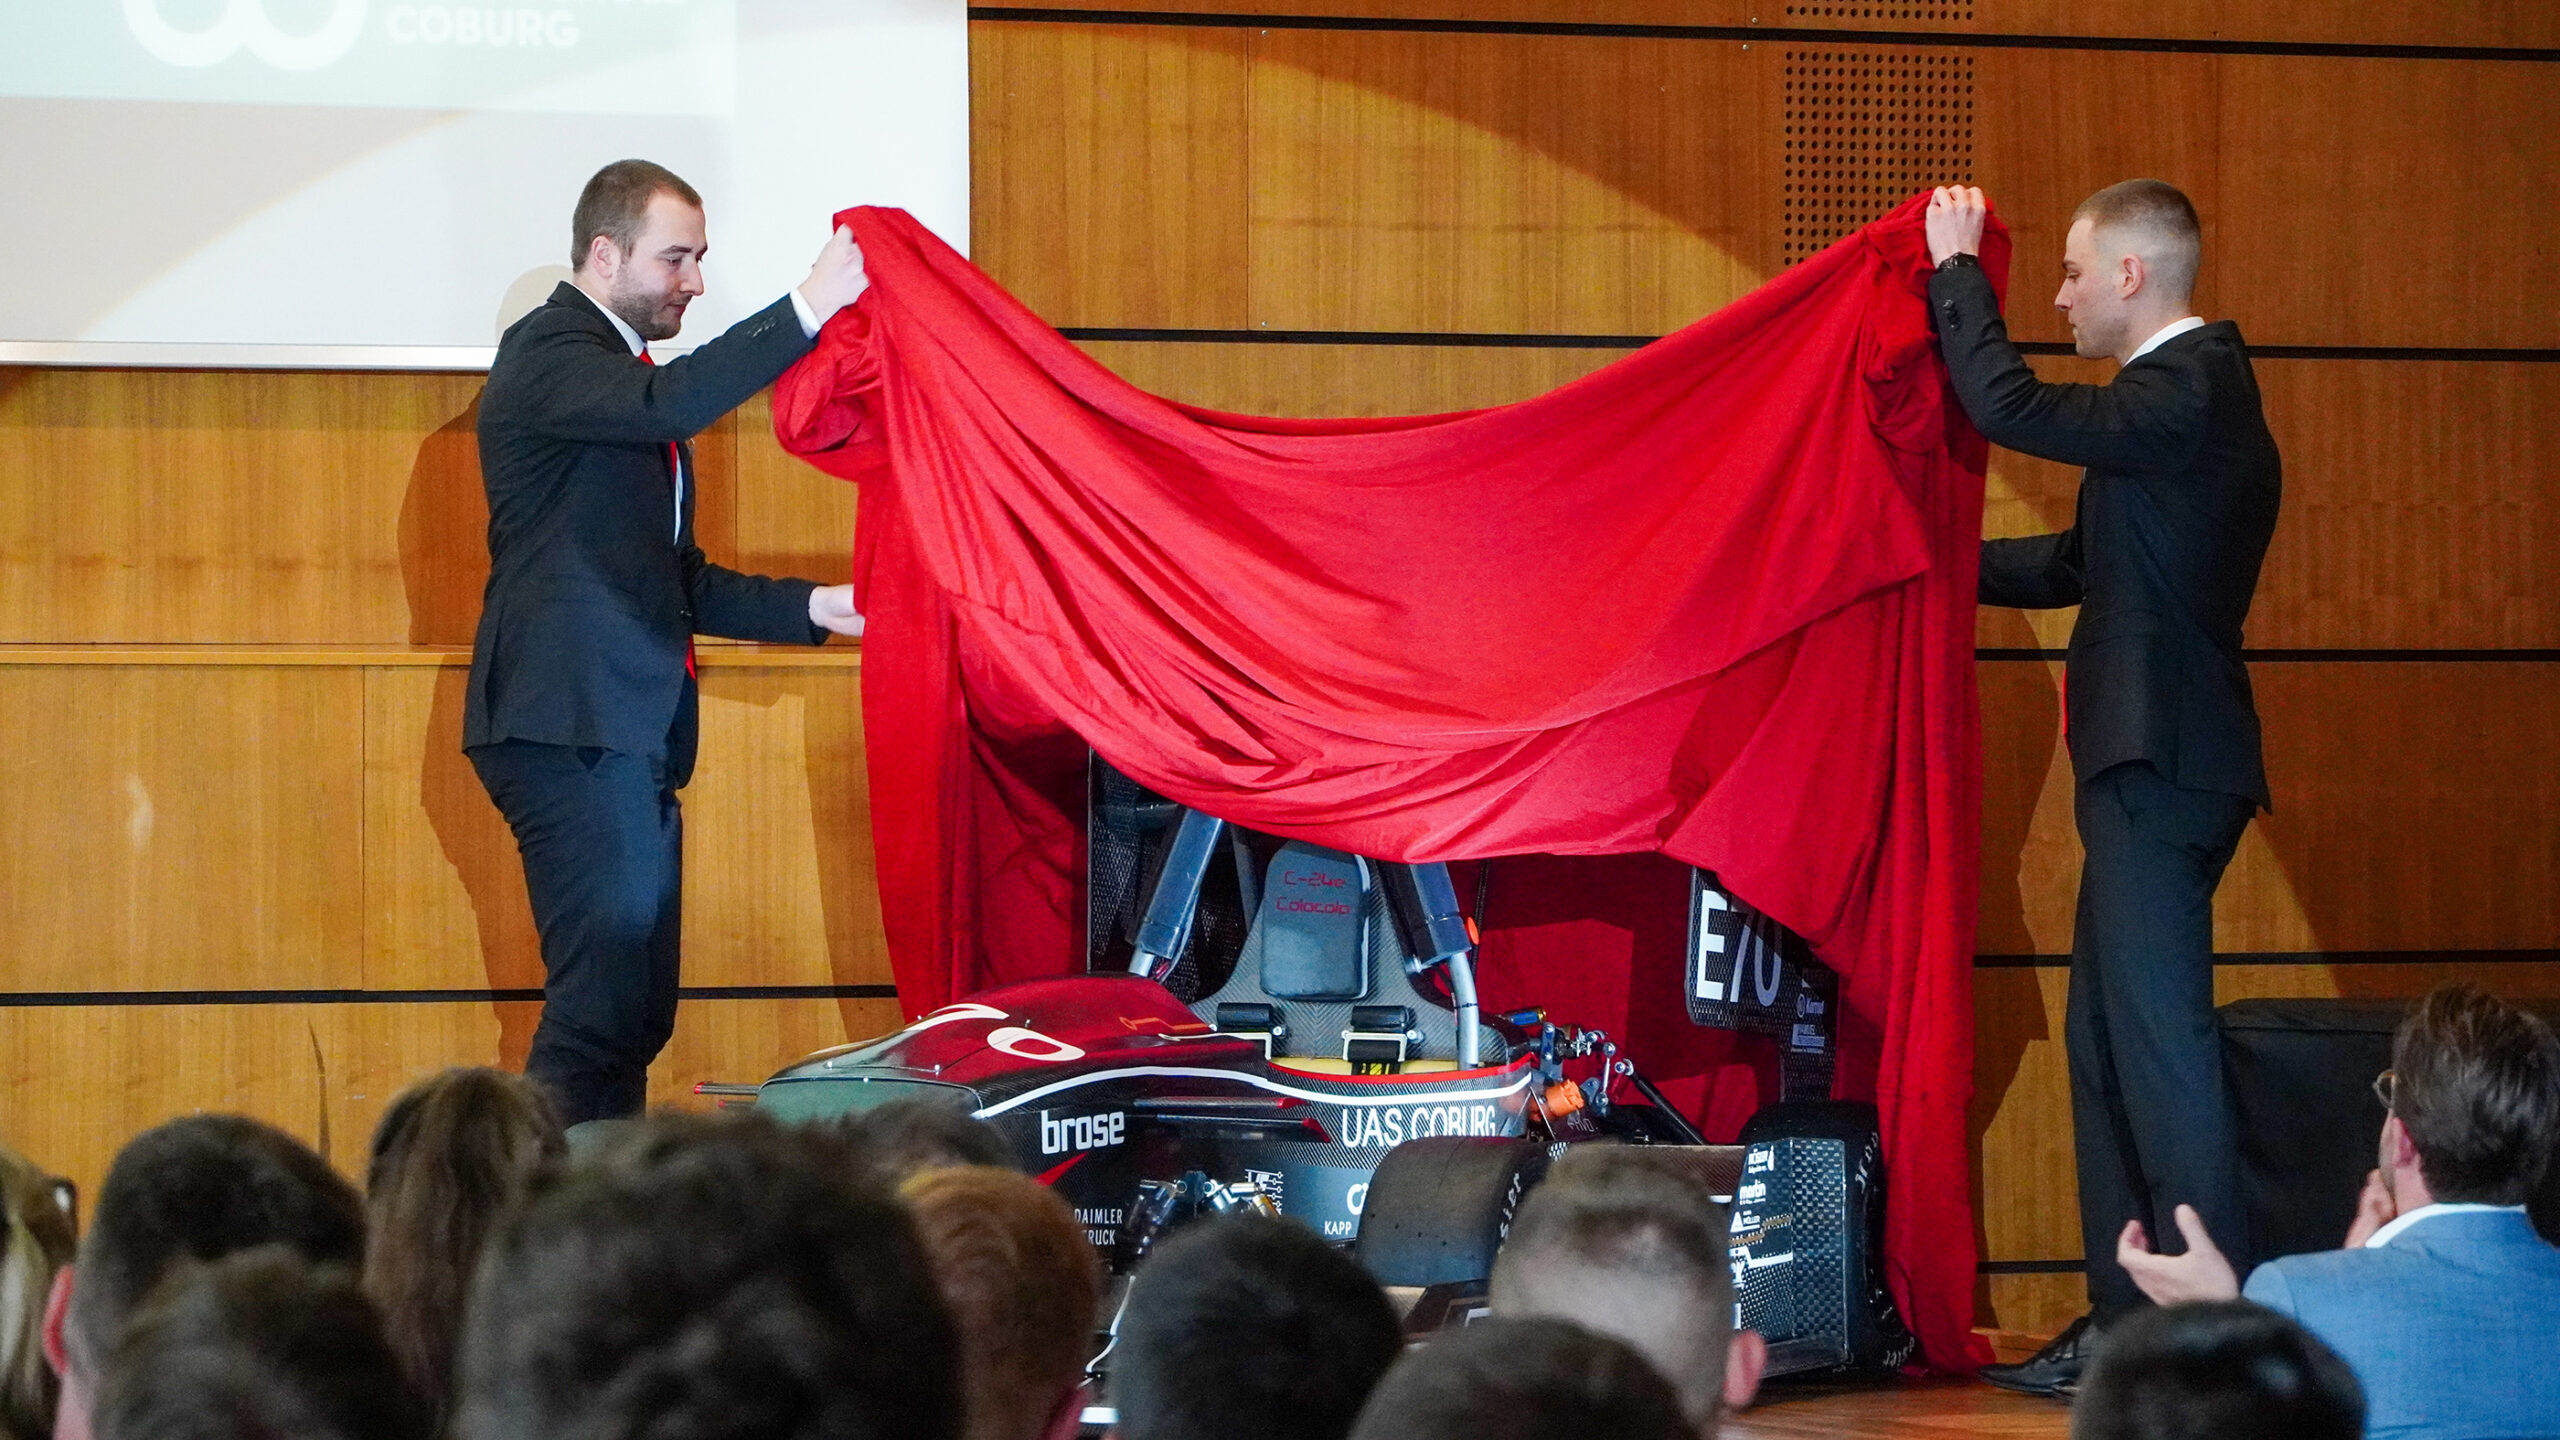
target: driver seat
<point>1326,980</point>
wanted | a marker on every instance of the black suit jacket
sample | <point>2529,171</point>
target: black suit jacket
<point>595,588</point>
<point>2176,507</point>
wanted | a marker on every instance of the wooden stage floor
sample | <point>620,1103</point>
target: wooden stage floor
<point>1936,1409</point>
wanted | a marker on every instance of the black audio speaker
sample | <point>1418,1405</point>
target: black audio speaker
<point>1808,1223</point>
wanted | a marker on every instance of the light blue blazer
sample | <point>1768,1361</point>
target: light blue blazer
<point>2453,1326</point>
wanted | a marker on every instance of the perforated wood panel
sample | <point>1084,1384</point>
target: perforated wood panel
<point>1940,11</point>
<point>1864,128</point>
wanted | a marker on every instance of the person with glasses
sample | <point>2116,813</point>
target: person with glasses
<point>2444,1300</point>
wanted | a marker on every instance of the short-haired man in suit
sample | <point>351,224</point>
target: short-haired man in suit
<point>580,716</point>
<point>2175,511</point>
<point>2444,1300</point>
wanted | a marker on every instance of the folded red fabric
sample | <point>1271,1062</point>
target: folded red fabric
<point>1715,600</point>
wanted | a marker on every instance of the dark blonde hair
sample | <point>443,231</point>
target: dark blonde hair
<point>450,1157</point>
<point>1022,1283</point>
<point>616,202</point>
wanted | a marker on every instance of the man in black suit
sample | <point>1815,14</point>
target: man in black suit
<point>2176,507</point>
<point>580,716</point>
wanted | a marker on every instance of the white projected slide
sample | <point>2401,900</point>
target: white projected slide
<point>359,183</point>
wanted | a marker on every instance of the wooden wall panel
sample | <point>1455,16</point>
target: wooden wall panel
<point>83,1080</point>
<point>791,517</point>
<point>2418,510</point>
<point>1108,171</point>
<point>1498,183</point>
<point>1312,380</point>
<point>2025,1189</point>
<point>444,897</point>
<point>168,822</point>
<point>2352,22</point>
<point>2413,805</point>
<point>158,506</point>
<point>2053,126</point>
<point>2388,202</point>
<point>780,884</point>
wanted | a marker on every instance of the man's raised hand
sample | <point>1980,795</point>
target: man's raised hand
<point>837,279</point>
<point>2200,1274</point>
<point>1956,213</point>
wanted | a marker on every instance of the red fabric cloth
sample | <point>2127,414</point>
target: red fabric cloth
<point>1714,601</point>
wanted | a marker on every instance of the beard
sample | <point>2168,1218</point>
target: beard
<point>652,315</point>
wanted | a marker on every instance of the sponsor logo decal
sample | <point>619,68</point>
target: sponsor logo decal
<point>1062,1133</point>
<point>1367,1127</point>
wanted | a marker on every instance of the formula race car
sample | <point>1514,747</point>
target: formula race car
<point>1276,1026</point>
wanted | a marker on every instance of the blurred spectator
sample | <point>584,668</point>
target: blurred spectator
<point>906,1136</point>
<point>192,1190</point>
<point>36,1246</point>
<point>2446,1300</point>
<point>711,1278</point>
<point>450,1156</point>
<point>258,1345</point>
<point>1022,1283</point>
<point>1244,1327</point>
<point>1536,1378</point>
<point>2216,1370</point>
<point>1639,1252</point>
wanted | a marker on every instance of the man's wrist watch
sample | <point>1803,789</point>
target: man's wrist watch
<point>1961,258</point>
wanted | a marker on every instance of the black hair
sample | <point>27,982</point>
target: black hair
<point>1244,1327</point>
<point>197,1189</point>
<point>712,1278</point>
<point>2211,1370</point>
<point>258,1343</point>
<point>1533,1378</point>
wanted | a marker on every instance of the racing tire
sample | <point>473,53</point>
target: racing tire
<point>1439,1209</point>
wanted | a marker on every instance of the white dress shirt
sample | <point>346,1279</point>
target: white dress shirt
<point>808,327</point>
<point>2387,1233</point>
<point>2164,335</point>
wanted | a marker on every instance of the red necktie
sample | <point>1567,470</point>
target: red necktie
<point>675,473</point>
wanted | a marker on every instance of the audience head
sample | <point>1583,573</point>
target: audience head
<point>1244,1327</point>
<point>36,1243</point>
<point>1022,1284</point>
<point>2475,1100</point>
<point>713,1278</point>
<point>192,1190</point>
<point>1528,1378</point>
<point>2129,264</point>
<point>2209,1370</point>
<point>257,1344</point>
<point>906,1137</point>
<point>450,1157</point>
<point>1621,1243</point>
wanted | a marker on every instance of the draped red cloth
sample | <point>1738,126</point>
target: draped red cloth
<point>1715,600</point>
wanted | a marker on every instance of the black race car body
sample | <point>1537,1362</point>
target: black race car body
<point>1101,1081</point>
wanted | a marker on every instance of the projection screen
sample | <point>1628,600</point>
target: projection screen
<point>366,184</point>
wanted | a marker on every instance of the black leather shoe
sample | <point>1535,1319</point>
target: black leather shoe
<point>2053,1370</point>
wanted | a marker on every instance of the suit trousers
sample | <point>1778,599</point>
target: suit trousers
<point>603,846</point>
<point>2151,1123</point>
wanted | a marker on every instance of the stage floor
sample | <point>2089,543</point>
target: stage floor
<point>1940,1409</point>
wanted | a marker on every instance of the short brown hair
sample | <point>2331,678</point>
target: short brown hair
<point>451,1155</point>
<point>616,201</point>
<point>2156,221</point>
<point>2478,1090</point>
<point>1022,1284</point>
